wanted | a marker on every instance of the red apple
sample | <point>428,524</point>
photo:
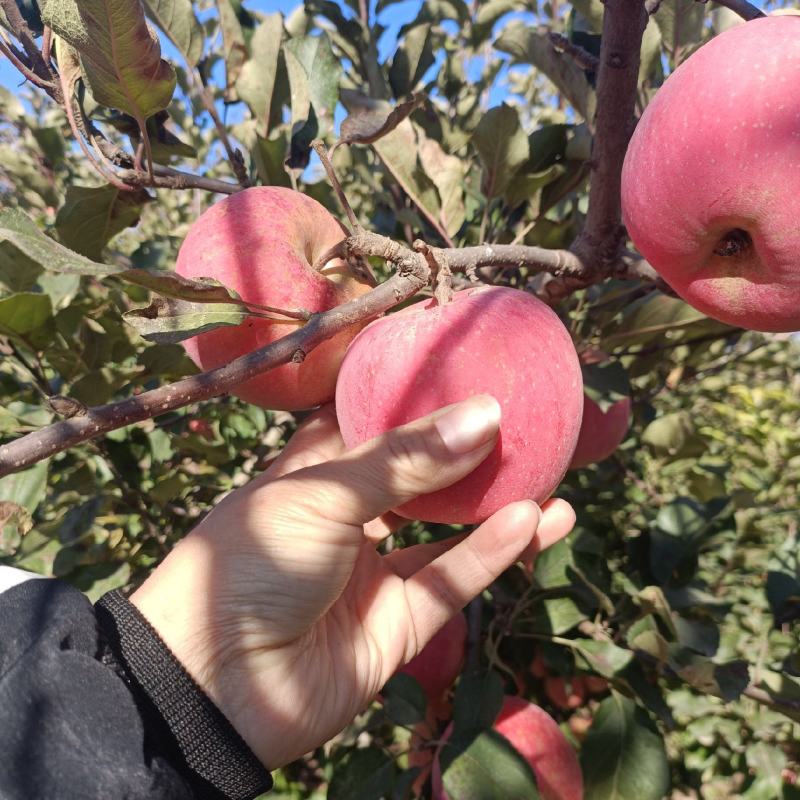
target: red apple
<point>602,432</point>
<point>710,185</point>
<point>565,695</point>
<point>492,340</point>
<point>539,740</point>
<point>262,243</point>
<point>440,661</point>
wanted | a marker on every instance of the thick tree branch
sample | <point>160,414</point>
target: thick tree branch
<point>741,7</point>
<point>599,245</point>
<point>67,433</point>
<point>623,27</point>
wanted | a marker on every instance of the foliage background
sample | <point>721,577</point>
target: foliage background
<point>681,582</point>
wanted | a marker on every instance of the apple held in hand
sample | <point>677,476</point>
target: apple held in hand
<point>539,740</point>
<point>711,181</point>
<point>261,243</point>
<point>491,340</point>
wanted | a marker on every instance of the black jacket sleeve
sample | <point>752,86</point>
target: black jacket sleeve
<point>94,705</point>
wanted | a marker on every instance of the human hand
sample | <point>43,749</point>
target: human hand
<point>279,605</point>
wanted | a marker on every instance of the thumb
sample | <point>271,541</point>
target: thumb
<point>418,458</point>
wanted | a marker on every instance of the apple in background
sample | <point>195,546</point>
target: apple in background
<point>565,693</point>
<point>539,740</point>
<point>261,243</point>
<point>602,432</point>
<point>440,661</point>
<point>492,340</point>
<point>711,181</point>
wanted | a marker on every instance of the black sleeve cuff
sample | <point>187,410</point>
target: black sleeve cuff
<point>188,728</point>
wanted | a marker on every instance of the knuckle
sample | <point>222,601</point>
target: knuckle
<point>410,461</point>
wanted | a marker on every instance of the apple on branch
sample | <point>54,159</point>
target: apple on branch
<point>710,192</point>
<point>262,243</point>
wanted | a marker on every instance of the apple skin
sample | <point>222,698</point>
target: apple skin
<point>602,432</point>
<point>492,340</point>
<point>261,243</point>
<point>564,695</point>
<point>539,740</point>
<point>440,661</point>
<point>718,151</point>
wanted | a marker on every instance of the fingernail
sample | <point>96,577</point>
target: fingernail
<point>470,424</point>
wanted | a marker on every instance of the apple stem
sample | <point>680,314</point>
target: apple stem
<point>322,152</point>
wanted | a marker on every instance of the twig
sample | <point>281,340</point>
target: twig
<point>15,59</point>
<point>773,701</point>
<point>101,169</point>
<point>47,44</point>
<point>62,435</point>
<point>234,155</point>
<point>741,7</point>
<point>168,178</point>
<point>583,58</point>
<point>23,33</point>
<point>322,152</point>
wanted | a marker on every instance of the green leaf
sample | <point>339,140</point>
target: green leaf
<point>176,18</point>
<point>269,156</point>
<point>726,681</point>
<point>398,151</point>
<point>120,55</point>
<point>412,59</point>
<point>554,566</point>
<point>527,45</point>
<point>448,174</point>
<point>367,125</point>
<point>20,496</point>
<point>26,488</point>
<point>680,23</point>
<point>623,756</point>
<point>51,143</point>
<point>234,46</point>
<point>314,73</point>
<point>606,383</point>
<point>91,216</point>
<point>168,321</point>
<point>485,766</point>
<point>24,313</point>
<point>503,147</point>
<point>17,229</point>
<point>670,434</point>
<point>488,13</point>
<point>363,774</point>
<point>783,582</point>
<point>404,700</point>
<point>602,657</point>
<point>256,82</point>
<point>478,700</point>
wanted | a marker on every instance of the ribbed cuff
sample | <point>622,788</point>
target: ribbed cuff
<point>216,760</point>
